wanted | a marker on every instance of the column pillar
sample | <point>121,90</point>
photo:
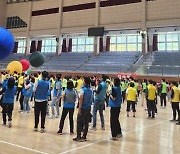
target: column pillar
<point>59,36</point>
<point>104,42</point>
<point>144,44</point>
<point>28,46</point>
<point>3,8</point>
<point>150,38</point>
<point>96,45</point>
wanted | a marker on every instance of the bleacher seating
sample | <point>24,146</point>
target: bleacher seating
<point>111,62</point>
<point>106,62</point>
<point>166,63</point>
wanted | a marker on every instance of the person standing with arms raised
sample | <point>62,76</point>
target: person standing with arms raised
<point>41,99</point>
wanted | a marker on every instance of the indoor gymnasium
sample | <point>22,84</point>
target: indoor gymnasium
<point>89,76</point>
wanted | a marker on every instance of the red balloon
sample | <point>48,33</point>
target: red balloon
<point>25,64</point>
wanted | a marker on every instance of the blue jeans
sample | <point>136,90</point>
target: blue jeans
<point>55,102</point>
<point>26,106</point>
<point>98,105</point>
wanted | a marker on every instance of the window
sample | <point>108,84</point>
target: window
<point>126,43</point>
<point>82,44</point>
<point>48,45</point>
<point>168,41</point>
<point>21,46</point>
<point>15,22</point>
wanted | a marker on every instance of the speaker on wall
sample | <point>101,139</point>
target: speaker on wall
<point>96,31</point>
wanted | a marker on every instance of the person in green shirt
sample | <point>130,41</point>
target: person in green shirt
<point>64,83</point>
<point>123,89</point>
<point>163,93</point>
<point>144,87</point>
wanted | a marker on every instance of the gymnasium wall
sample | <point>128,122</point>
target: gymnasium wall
<point>3,7</point>
<point>21,10</point>
<point>47,17</point>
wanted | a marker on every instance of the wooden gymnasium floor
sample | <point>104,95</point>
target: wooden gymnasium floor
<point>140,136</point>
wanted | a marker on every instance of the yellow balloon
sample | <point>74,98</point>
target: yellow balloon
<point>14,66</point>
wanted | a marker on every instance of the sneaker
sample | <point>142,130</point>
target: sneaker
<point>4,124</point>
<point>10,124</point>
<point>119,135</point>
<point>149,117</point>
<point>71,133</point>
<point>178,123</point>
<point>52,117</point>
<point>43,130</point>
<point>172,120</point>
<point>57,116</point>
<point>35,129</point>
<point>78,139</point>
<point>114,138</point>
<point>83,139</point>
<point>93,128</point>
<point>20,111</point>
<point>59,132</point>
<point>103,128</point>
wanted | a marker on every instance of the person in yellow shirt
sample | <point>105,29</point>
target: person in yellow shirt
<point>151,96</point>
<point>2,77</point>
<point>39,76</point>
<point>20,82</point>
<point>79,84</point>
<point>175,94</point>
<point>15,75</point>
<point>131,94</point>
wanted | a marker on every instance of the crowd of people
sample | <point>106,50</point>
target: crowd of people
<point>89,94</point>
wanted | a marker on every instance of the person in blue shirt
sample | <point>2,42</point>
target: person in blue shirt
<point>8,100</point>
<point>84,109</point>
<point>115,104</point>
<point>69,98</point>
<point>99,104</point>
<point>28,92</point>
<point>41,99</point>
<point>57,93</point>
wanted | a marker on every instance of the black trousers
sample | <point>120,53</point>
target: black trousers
<point>63,117</point>
<point>18,92</point>
<point>21,101</point>
<point>40,108</point>
<point>83,119</point>
<point>175,108</point>
<point>123,96</point>
<point>7,110</point>
<point>129,104</point>
<point>151,108</point>
<point>107,100</point>
<point>114,121</point>
<point>163,99</point>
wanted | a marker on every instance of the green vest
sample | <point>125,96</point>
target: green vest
<point>123,86</point>
<point>164,87</point>
<point>64,83</point>
<point>144,86</point>
<point>136,85</point>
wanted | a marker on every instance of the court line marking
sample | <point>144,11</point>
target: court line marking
<point>19,146</point>
<point>109,137</point>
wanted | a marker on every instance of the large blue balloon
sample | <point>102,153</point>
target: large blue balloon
<point>6,43</point>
